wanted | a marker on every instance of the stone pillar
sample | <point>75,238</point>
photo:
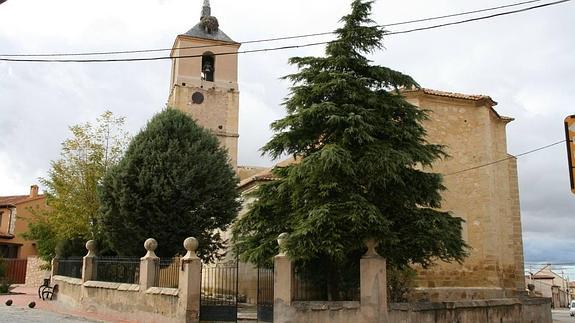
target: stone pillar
<point>149,266</point>
<point>55,262</point>
<point>88,266</point>
<point>373,283</point>
<point>190,283</point>
<point>283,275</point>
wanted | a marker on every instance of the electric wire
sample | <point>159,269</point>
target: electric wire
<point>272,48</point>
<point>271,39</point>
<point>507,158</point>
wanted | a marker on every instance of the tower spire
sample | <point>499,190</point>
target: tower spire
<point>206,9</point>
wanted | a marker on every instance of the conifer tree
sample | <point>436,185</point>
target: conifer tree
<point>364,170</point>
<point>173,182</point>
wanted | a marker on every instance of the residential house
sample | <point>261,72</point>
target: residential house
<point>548,283</point>
<point>15,213</point>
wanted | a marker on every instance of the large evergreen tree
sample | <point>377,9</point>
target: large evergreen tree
<point>173,182</point>
<point>364,169</point>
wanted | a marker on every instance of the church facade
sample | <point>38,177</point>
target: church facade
<point>204,84</point>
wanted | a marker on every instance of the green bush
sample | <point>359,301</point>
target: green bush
<point>4,282</point>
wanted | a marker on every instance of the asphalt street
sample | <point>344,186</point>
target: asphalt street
<point>562,316</point>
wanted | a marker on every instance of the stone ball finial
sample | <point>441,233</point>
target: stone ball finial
<point>191,245</point>
<point>151,244</point>
<point>282,240</point>
<point>91,246</point>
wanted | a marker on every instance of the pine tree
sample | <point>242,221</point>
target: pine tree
<point>364,165</point>
<point>173,182</point>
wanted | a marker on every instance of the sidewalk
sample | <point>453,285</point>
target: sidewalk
<point>27,295</point>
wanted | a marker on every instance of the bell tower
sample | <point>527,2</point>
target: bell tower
<point>204,82</point>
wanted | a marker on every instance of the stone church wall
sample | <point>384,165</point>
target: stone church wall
<point>486,198</point>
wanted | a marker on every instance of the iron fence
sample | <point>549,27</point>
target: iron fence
<point>70,267</point>
<point>265,300</point>
<point>219,291</point>
<point>117,269</point>
<point>168,273</point>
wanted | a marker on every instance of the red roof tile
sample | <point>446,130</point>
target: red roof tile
<point>17,199</point>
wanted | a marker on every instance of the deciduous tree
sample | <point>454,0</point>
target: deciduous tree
<point>71,184</point>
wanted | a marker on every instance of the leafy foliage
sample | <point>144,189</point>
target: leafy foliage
<point>173,182</point>
<point>71,185</point>
<point>363,164</point>
<point>4,281</point>
<point>400,283</point>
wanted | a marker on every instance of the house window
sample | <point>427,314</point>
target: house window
<point>9,251</point>
<point>208,66</point>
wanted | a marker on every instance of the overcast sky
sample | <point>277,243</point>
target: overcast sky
<point>525,62</point>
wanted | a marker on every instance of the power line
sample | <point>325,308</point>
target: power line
<point>480,18</point>
<point>273,48</point>
<point>137,59</point>
<point>271,39</point>
<point>507,158</point>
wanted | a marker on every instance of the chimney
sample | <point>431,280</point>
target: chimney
<point>33,191</point>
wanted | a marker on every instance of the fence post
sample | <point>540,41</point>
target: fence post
<point>283,275</point>
<point>88,266</point>
<point>373,283</point>
<point>190,283</point>
<point>149,265</point>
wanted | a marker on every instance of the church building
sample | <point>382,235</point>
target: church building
<point>204,84</point>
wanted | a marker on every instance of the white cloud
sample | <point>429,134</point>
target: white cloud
<point>523,61</point>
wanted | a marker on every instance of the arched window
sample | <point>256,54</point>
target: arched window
<point>208,66</point>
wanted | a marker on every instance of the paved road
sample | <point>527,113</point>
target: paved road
<point>24,315</point>
<point>562,316</point>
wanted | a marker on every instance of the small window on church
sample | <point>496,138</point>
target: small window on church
<point>208,66</point>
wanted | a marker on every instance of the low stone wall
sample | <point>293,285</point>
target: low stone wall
<point>123,300</point>
<point>321,312</point>
<point>34,274</point>
<point>456,294</point>
<point>140,302</point>
<point>511,310</point>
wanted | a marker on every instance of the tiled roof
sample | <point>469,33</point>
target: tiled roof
<point>17,199</point>
<point>266,175</point>
<point>244,172</point>
<point>473,97</point>
<point>540,276</point>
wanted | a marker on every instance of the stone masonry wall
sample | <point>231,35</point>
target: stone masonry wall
<point>510,310</point>
<point>486,198</point>
<point>34,273</point>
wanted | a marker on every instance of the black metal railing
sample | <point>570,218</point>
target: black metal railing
<point>117,270</point>
<point>265,300</point>
<point>313,285</point>
<point>219,292</point>
<point>70,267</point>
<point>168,273</point>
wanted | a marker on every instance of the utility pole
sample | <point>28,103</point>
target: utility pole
<point>570,139</point>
